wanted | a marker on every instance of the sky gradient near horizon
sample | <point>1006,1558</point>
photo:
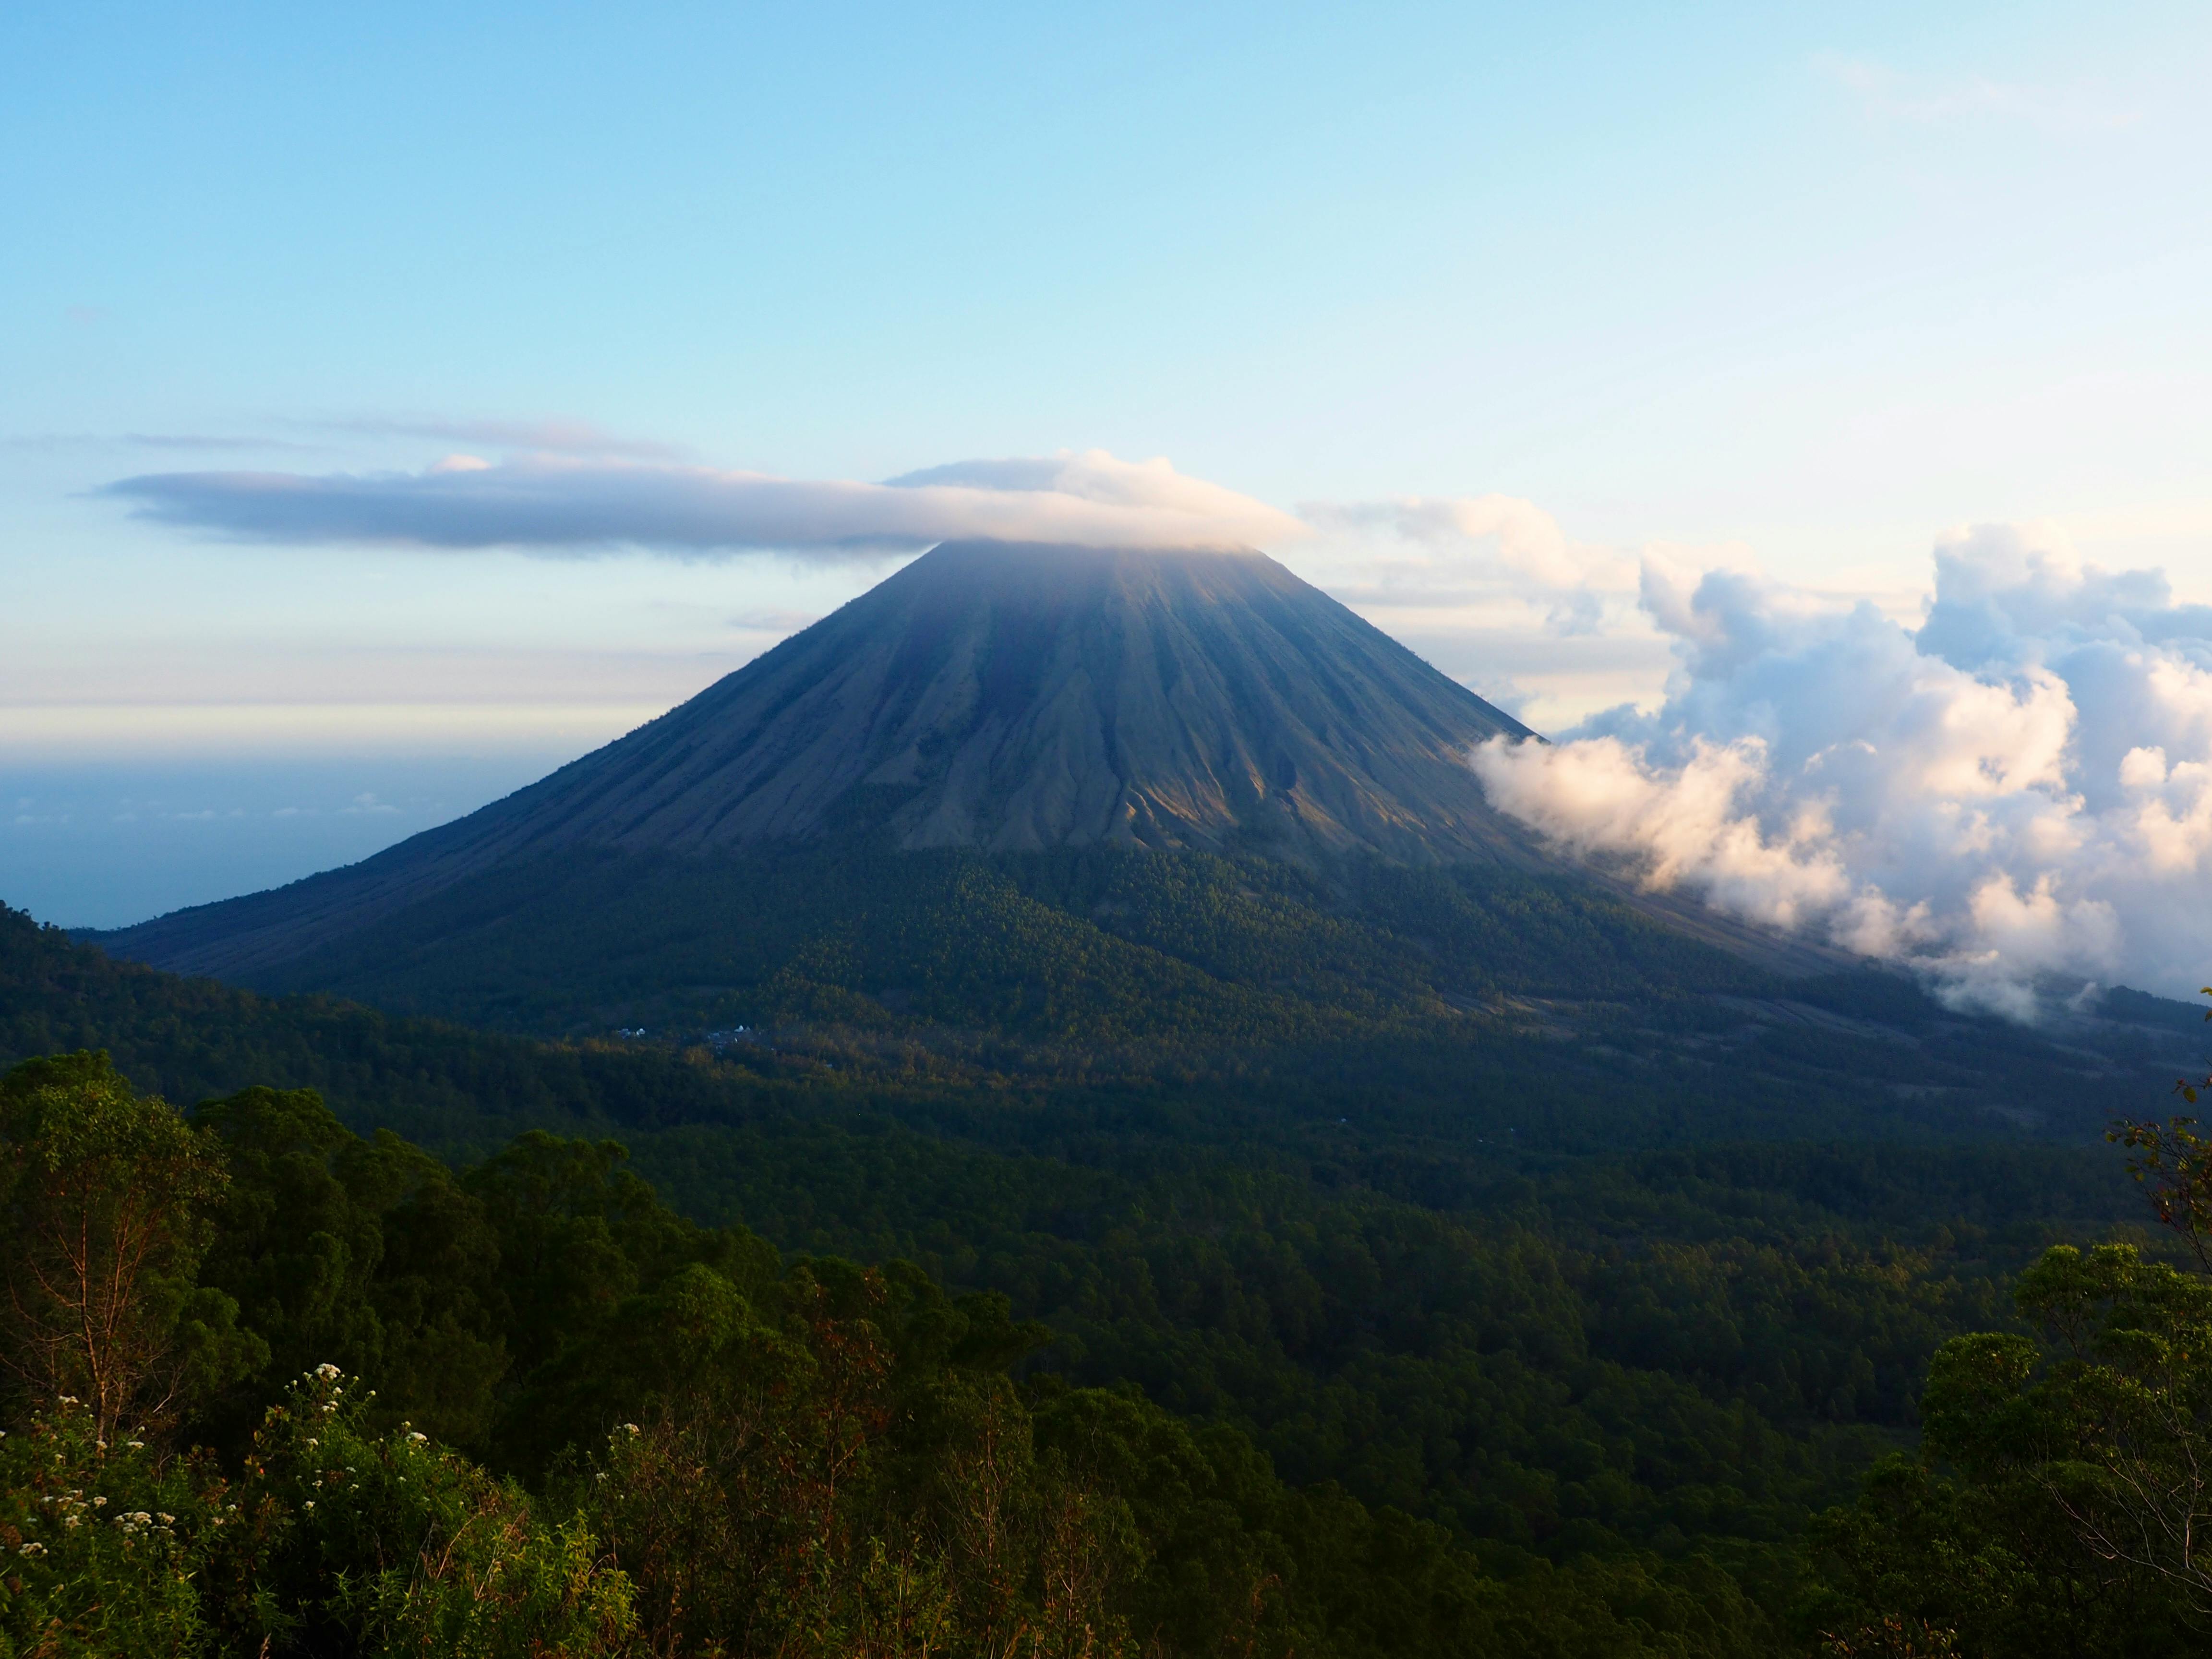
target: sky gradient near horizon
<point>1469,313</point>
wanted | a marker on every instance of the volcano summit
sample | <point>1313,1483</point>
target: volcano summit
<point>1179,790</point>
<point>1006,698</point>
<point>1013,698</point>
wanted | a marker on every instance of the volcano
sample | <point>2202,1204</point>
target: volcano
<point>1000,697</point>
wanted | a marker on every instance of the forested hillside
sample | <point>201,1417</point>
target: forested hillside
<point>1095,948</point>
<point>524,1406</point>
<point>1573,1301</point>
<point>1716,1048</point>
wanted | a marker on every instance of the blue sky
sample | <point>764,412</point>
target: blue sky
<point>1796,289</point>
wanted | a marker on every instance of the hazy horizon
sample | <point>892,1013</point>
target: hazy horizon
<point>1806,416</point>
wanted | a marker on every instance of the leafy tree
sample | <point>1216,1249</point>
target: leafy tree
<point>832,1478</point>
<point>2133,1394</point>
<point>1974,1553</point>
<point>106,1203</point>
<point>2174,1163</point>
<point>357,1252</point>
<point>2062,1503</point>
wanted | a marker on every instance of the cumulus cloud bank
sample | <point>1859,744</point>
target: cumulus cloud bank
<point>2018,792</point>
<point>550,500</point>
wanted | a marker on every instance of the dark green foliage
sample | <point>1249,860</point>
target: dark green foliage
<point>362,1253</point>
<point>1571,1404</point>
<point>1426,1097</point>
<point>104,1545</point>
<point>2061,1503</point>
<point>810,1457</point>
<point>107,1205</point>
<point>1559,1398</point>
<point>1095,948</point>
<point>331,1539</point>
<point>339,1538</point>
<point>2049,1511</point>
<point>455,1089</point>
<point>1333,1577</point>
<point>1352,1322</point>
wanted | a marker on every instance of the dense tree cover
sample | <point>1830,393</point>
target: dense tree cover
<point>550,1414</point>
<point>1095,948</point>
<point>1685,1351</point>
<point>455,1088</point>
<point>2061,1500</point>
<point>107,1198</point>
<point>577,1423</point>
<point>1852,1056</point>
<point>1559,1322</point>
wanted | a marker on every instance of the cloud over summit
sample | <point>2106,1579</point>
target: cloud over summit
<point>2011,787</point>
<point>549,501</point>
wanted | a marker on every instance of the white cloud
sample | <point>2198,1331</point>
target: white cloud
<point>2022,788</point>
<point>582,503</point>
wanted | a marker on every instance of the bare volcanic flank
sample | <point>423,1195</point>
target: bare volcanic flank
<point>1003,697</point>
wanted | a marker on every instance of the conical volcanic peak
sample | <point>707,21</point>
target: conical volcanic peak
<point>1017,697</point>
<point>994,695</point>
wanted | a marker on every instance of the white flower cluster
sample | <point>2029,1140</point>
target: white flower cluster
<point>72,1506</point>
<point>134,1524</point>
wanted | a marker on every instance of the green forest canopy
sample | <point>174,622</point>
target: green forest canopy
<point>551,1415</point>
<point>1565,1331</point>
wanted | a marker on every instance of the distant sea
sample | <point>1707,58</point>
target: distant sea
<point>103,846</point>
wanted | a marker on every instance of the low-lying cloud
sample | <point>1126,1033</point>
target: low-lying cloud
<point>2016,792</point>
<point>552,501</point>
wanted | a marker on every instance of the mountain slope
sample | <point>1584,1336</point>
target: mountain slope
<point>1000,697</point>
<point>1092,948</point>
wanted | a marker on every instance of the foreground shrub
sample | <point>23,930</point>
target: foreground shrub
<point>391,1546</point>
<point>100,1543</point>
